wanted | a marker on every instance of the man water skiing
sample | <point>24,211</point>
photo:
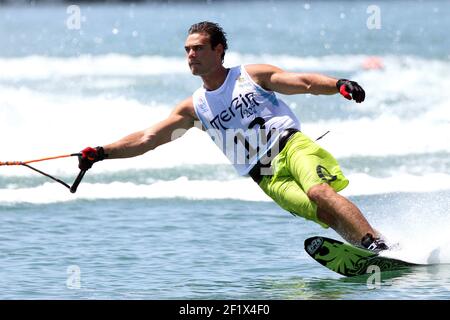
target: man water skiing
<point>258,133</point>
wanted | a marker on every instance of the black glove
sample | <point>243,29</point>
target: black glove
<point>347,87</point>
<point>89,156</point>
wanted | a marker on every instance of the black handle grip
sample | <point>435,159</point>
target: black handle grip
<point>77,181</point>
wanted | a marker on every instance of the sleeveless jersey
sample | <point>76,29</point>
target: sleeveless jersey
<point>242,118</point>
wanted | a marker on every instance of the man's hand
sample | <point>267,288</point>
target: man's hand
<point>347,87</point>
<point>89,156</point>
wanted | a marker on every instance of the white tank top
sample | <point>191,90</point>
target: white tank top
<point>242,118</point>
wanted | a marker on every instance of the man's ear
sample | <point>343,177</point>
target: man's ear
<point>219,49</point>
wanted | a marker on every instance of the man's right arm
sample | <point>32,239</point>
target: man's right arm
<point>138,143</point>
<point>177,123</point>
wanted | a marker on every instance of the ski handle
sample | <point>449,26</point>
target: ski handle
<point>77,181</point>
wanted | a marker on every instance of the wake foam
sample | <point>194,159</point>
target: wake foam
<point>420,226</point>
<point>46,67</point>
<point>238,189</point>
<point>241,189</point>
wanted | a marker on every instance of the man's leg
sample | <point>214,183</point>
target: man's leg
<point>319,174</point>
<point>305,182</point>
<point>340,214</point>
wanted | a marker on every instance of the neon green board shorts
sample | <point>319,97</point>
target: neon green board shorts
<point>301,165</point>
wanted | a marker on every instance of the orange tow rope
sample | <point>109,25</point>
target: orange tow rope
<point>19,163</point>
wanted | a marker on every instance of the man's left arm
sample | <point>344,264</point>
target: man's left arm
<point>278,80</point>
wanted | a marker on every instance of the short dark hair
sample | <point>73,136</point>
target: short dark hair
<point>215,32</point>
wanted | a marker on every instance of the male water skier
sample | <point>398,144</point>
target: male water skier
<point>258,133</point>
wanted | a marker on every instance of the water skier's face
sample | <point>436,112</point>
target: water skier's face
<point>201,57</point>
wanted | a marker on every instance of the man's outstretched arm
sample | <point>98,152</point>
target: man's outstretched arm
<point>278,80</point>
<point>138,143</point>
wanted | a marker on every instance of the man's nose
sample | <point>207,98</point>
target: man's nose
<point>191,53</point>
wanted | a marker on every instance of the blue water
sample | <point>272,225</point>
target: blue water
<point>178,222</point>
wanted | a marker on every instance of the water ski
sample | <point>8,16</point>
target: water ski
<point>349,260</point>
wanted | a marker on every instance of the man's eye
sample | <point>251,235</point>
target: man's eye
<point>195,48</point>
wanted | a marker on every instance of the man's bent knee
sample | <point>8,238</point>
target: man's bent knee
<point>320,192</point>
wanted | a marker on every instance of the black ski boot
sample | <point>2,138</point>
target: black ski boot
<point>373,244</point>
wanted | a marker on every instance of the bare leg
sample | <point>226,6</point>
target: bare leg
<point>340,214</point>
